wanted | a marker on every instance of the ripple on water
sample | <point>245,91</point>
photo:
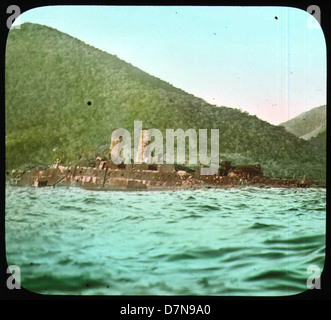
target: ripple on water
<point>247,241</point>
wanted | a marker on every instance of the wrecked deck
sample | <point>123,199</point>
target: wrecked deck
<point>143,177</point>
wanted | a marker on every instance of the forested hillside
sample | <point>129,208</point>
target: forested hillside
<point>64,98</point>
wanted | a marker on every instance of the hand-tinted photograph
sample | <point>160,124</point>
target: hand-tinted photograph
<point>165,151</point>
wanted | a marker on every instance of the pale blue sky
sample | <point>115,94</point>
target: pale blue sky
<point>241,57</point>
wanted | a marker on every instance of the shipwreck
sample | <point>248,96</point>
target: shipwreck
<point>106,175</point>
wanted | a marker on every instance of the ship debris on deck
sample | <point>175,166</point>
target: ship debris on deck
<point>106,175</point>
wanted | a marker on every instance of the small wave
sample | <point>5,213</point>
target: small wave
<point>193,215</point>
<point>181,256</point>
<point>280,281</point>
<point>321,208</point>
<point>293,209</point>
<point>306,240</point>
<point>203,254</point>
<point>172,221</point>
<point>161,233</point>
<point>64,261</point>
<point>270,255</point>
<point>269,275</point>
<point>318,260</point>
<point>67,284</point>
<point>259,225</point>
<point>68,207</point>
<point>209,207</point>
<point>242,205</point>
<point>130,217</point>
<point>190,198</point>
<point>93,200</point>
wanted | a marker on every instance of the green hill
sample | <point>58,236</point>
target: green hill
<point>64,98</point>
<point>319,140</point>
<point>307,124</point>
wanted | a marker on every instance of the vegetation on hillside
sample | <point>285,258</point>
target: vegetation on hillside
<point>307,124</point>
<point>320,140</point>
<point>64,98</point>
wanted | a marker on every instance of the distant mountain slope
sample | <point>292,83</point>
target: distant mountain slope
<point>314,133</point>
<point>64,98</point>
<point>308,124</point>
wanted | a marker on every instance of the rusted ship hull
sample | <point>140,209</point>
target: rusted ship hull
<point>141,177</point>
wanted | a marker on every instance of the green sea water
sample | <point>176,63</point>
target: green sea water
<point>214,242</point>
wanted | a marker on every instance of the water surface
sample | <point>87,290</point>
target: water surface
<point>242,241</point>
